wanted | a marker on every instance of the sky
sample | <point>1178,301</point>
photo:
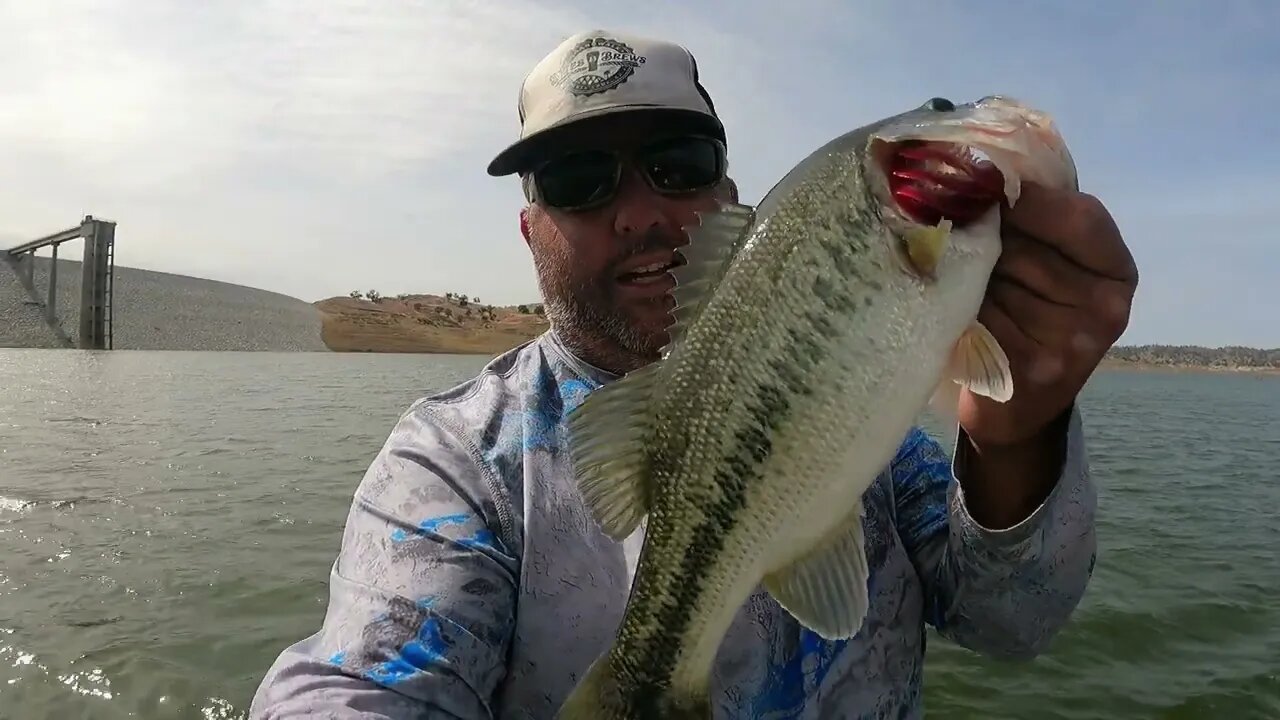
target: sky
<point>318,148</point>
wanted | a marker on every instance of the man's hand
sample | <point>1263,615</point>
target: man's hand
<point>1059,298</point>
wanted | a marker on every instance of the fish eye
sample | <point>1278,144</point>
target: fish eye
<point>940,104</point>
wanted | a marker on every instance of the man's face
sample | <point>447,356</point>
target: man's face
<point>603,269</point>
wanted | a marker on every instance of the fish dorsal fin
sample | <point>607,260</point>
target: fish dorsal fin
<point>826,590</point>
<point>607,447</point>
<point>713,243</point>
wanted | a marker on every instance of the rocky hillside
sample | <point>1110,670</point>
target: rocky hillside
<point>453,323</point>
<point>159,311</point>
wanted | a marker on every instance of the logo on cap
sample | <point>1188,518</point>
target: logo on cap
<point>596,65</point>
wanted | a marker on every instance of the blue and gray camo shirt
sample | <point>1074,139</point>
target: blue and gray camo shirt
<point>473,583</point>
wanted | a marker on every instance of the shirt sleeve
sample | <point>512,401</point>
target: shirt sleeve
<point>421,596</point>
<point>1004,593</point>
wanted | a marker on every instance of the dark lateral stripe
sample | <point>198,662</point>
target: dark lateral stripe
<point>770,409</point>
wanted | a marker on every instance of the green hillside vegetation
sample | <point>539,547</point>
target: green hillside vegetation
<point>1230,357</point>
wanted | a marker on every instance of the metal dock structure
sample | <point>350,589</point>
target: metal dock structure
<point>96,284</point>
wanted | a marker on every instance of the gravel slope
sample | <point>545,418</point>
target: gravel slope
<point>21,320</point>
<point>163,311</point>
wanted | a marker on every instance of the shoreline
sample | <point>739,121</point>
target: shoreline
<point>1140,366</point>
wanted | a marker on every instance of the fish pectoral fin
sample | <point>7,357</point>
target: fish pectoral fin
<point>607,448</point>
<point>713,243</point>
<point>826,590</point>
<point>979,364</point>
<point>925,246</point>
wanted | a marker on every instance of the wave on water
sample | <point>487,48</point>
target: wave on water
<point>18,505</point>
<point>90,683</point>
<point>26,669</point>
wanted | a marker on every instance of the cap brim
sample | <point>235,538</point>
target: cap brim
<point>523,153</point>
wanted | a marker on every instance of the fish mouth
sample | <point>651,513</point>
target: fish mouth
<point>933,180</point>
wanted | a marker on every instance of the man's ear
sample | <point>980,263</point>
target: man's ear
<point>524,223</point>
<point>733,189</point>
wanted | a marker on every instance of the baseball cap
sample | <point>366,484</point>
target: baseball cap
<point>597,73</point>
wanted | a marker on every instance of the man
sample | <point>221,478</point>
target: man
<point>473,583</point>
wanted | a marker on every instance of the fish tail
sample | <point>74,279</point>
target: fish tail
<point>599,696</point>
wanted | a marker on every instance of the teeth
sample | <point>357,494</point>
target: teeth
<point>650,268</point>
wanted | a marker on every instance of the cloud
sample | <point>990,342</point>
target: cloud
<point>318,148</point>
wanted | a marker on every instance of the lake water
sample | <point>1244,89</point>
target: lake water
<point>167,523</point>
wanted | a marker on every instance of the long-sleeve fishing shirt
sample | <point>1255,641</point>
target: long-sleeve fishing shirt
<point>472,581</point>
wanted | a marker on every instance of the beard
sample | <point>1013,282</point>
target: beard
<point>586,312</point>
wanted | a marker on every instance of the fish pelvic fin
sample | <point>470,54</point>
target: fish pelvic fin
<point>599,696</point>
<point>713,244</point>
<point>979,365</point>
<point>826,590</point>
<point>607,447</point>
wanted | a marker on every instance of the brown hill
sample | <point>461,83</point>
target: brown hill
<point>426,324</point>
<point>459,324</point>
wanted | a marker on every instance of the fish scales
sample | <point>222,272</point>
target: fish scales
<point>810,357</point>
<point>764,317</point>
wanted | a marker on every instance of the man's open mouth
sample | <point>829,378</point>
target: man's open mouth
<point>646,274</point>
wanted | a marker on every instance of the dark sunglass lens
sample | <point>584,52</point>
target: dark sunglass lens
<point>577,180</point>
<point>684,165</point>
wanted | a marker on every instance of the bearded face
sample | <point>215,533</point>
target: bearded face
<point>604,227</point>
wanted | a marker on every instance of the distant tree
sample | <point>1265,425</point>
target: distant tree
<point>356,295</point>
<point>374,296</point>
<point>462,301</point>
<point>1230,356</point>
<point>522,309</point>
<point>539,311</point>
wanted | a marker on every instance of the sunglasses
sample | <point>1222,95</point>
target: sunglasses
<point>588,179</point>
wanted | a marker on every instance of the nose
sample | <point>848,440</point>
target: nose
<point>637,208</point>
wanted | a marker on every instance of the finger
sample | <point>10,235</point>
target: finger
<point>1019,347</point>
<point>1028,360</point>
<point>1048,324</point>
<point>1044,271</point>
<point>1068,342</point>
<point>1077,226</point>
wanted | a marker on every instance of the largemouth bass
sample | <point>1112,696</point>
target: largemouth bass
<point>811,332</point>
